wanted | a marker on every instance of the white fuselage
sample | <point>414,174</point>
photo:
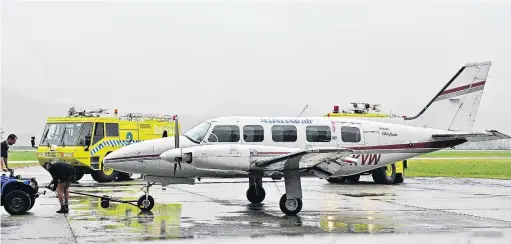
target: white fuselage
<point>376,144</point>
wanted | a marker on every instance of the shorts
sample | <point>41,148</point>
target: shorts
<point>66,179</point>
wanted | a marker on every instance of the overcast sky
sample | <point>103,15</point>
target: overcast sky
<point>210,59</point>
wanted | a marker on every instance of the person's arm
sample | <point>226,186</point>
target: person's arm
<point>2,165</point>
<point>4,156</point>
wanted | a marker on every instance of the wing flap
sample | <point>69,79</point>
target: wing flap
<point>308,158</point>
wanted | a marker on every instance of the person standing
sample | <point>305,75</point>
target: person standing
<point>11,140</point>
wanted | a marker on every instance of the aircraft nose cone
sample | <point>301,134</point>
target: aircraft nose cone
<point>171,155</point>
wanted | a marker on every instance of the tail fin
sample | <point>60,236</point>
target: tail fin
<point>455,106</point>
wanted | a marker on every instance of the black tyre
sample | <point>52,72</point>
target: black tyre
<point>106,174</point>
<point>17,202</point>
<point>290,206</point>
<point>339,180</point>
<point>385,175</point>
<point>78,174</point>
<point>256,196</point>
<point>105,203</point>
<point>353,178</point>
<point>32,202</point>
<point>400,178</point>
<point>146,205</point>
<point>124,176</point>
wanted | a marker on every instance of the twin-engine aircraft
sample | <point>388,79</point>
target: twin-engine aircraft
<point>327,147</point>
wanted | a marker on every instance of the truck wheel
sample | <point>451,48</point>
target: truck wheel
<point>400,178</point>
<point>105,175</point>
<point>124,176</point>
<point>78,174</point>
<point>17,202</point>
<point>339,180</point>
<point>385,175</point>
<point>353,178</point>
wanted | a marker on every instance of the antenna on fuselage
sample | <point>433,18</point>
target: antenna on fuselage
<point>303,110</point>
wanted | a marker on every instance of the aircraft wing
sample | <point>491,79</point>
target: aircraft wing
<point>307,159</point>
<point>472,137</point>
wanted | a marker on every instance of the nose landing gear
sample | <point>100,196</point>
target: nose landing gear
<point>146,202</point>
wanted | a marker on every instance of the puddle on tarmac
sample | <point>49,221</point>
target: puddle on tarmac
<point>162,221</point>
<point>365,194</point>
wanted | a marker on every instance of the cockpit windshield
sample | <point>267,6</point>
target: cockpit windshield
<point>68,134</point>
<point>197,133</point>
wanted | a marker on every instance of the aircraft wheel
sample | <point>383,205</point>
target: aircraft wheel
<point>256,196</point>
<point>385,175</point>
<point>146,204</point>
<point>290,206</point>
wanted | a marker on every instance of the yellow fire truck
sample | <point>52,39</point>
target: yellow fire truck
<point>84,138</point>
<point>372,112</point>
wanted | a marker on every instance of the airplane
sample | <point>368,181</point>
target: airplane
<point>327,147</point>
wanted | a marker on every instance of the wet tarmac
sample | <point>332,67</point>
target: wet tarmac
<point>423,210</point>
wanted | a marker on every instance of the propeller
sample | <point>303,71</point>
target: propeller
<point>176,138</point>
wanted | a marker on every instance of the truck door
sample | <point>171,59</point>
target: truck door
<point>99,132</point>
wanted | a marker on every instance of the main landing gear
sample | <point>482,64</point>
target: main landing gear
<point>255,192</point>
<point>291,202</point>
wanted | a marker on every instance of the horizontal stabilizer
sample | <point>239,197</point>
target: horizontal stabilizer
<point>474,137</point>
<point>308,158</point>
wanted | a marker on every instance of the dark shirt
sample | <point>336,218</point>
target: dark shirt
<point>5,153</point>
<point>61,171</point>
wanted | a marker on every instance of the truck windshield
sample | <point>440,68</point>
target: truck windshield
<point>66,134</point>
<point>197,133</point>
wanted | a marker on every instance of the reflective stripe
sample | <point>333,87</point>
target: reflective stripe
<point>112,143</point>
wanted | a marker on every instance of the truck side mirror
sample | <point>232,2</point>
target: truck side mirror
<point>87,142</point>
<point>32,141</point>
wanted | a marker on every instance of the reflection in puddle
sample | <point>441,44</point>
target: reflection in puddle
<point>162,222</point>
<point>332,223</point>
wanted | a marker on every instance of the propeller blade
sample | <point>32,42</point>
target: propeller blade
<point>176,131</point>
<point>175,166</point>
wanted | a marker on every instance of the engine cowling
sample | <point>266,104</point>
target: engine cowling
<point>221,157</point>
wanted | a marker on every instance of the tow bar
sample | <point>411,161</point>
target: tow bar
<point>105,200</point>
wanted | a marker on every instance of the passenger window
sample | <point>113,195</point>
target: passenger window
<point>112,129</point>
<point>253,133</point>
<point>350,134</point>
<point>318,133</point>
<point>99,132</point>
<point>225,133</point>
<point>283,133</point>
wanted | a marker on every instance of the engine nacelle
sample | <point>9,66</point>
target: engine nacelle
<point>221,157</point>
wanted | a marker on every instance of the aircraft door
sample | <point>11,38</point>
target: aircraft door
<point>371,135</point>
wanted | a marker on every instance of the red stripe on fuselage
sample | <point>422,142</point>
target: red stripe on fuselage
<point>457,89</point>
<point>418,145</point>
